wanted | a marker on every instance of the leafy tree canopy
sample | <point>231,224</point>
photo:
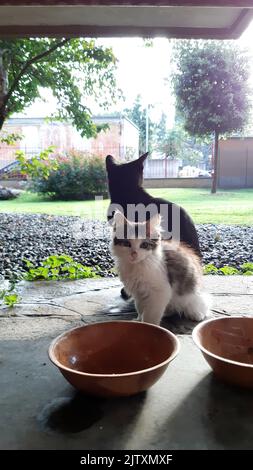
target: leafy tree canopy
<point>177,143</point>
<point>138,115</point>
<point>211,86</point>
<point>74,69</point>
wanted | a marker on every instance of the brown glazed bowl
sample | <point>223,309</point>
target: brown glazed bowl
<point>227,345</point>
<point>117,358</point>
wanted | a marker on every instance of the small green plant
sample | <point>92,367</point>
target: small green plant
<point>229,270</point>
<point>10,299</point>
<point>10,139</point>
<point>53,268</point>
<point>39,166</point>
<point>9,296</point>
<point>246,269</point>
<point>57,267</point>
<point>78,176</point>
<point>210,269</point>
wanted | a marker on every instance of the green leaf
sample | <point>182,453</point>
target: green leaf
<point>247,267</point>
<point>11,299</point>
<point>55,272</point>
<point>210,269</point>
<point>64,62</point>
<point>28,263</point>
<point>11,139</point>
<point>229,270</point>
<point>70,269</point>
<point>57,267</point>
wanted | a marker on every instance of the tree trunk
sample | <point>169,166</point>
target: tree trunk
<point>215,162</point>
<point>3,88</point>
<point>2,119</point>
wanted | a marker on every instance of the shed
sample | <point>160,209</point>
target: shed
<point>235,167</point>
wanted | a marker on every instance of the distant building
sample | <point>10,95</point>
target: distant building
<point>121,139</point>
<point>235,168</point>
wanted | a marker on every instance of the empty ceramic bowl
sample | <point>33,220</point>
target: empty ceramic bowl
<point>117,358</point>
<point>227,345</point>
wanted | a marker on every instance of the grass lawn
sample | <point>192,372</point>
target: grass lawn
<point>226,207</point>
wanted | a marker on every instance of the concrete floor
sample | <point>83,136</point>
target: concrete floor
<point>187,408</point>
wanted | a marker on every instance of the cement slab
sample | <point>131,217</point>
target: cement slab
<point>23,328</point>
<point>186,409</point>
<point>99,300</point>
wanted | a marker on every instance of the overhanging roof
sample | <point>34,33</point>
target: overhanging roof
<point>220,19</point>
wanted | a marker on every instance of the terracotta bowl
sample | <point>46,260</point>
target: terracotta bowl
<point>227,345</point>
<point>117,358</point>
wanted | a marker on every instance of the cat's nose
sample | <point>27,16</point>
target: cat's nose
<point>133,254</point>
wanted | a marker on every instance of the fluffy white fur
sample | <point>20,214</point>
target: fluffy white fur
<point>144,276</point>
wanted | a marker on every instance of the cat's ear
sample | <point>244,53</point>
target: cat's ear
<point>109,162</point>
<point>119,219</point>
<point>153,226</point>
<point>142,159</point>
<point>119,224</point>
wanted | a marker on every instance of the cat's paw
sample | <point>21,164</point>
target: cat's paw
<point>198,307</point>
<point>195,315</point>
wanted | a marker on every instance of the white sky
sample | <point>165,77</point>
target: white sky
<point>141,70</point>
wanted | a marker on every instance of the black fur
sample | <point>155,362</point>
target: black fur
<point>125,187</point>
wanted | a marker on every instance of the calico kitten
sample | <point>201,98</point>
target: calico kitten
<point>161,276</point>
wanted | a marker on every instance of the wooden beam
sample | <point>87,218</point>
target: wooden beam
<point>241,23</point>
<point>77,30</point>
<point>174,3</point>
<point>116,31</point>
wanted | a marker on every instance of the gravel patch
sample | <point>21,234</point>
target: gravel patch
<point>34,237</point>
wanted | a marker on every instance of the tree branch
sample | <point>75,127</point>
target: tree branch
<point>27,64</point>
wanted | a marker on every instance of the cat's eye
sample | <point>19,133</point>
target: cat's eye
<point>126,243</point>
<point>144,245</point>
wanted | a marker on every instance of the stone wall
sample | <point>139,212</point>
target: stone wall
<point>148,183</point>
<point>177,183</point>
<point>17,184</point>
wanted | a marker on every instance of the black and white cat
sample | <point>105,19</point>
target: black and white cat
<point>163,277</point>
<point>125,187</point>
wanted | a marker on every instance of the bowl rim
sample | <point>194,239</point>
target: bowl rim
<point>175,352</point>
<point>209,353</point>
